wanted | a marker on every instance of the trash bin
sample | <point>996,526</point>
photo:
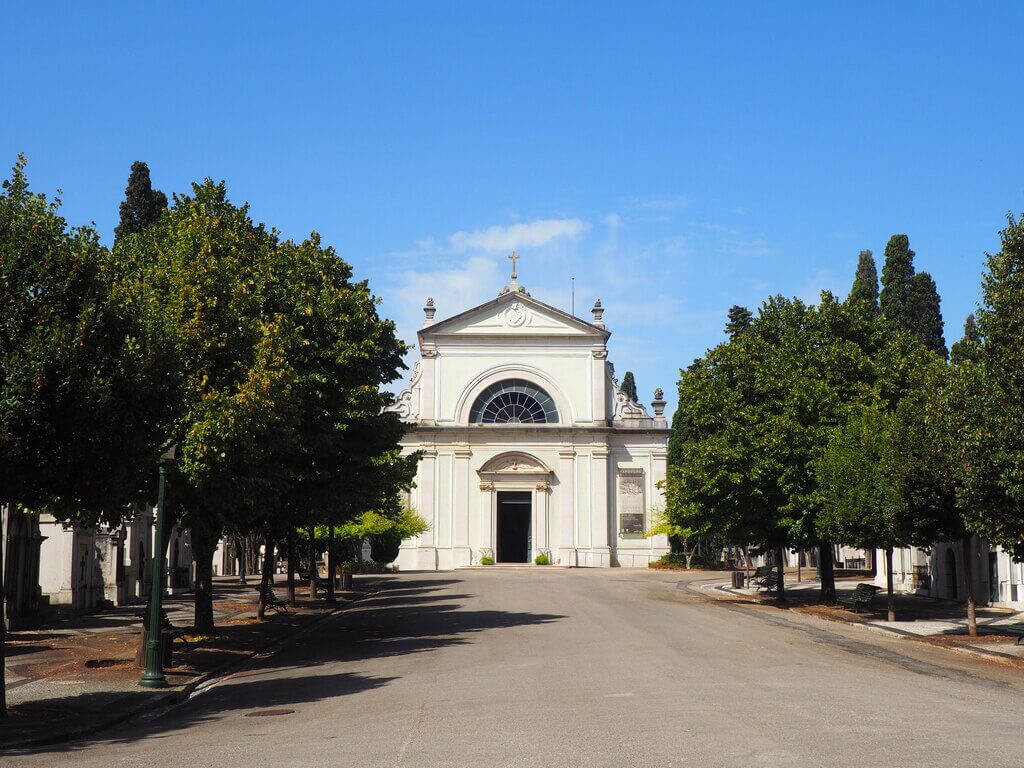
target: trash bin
<point>737,579</point>
<point>346,582</point>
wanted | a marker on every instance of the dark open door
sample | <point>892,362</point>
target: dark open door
<point>514,508</point>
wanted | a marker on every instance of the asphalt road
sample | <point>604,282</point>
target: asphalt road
<point>504,667</point>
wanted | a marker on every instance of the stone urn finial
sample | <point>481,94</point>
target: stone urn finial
<point>598,311</point>
<point>428,312</point>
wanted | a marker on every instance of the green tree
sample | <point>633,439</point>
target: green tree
<point>865,283</point>
<point>629,386</point>
<point>759,410</point>
<point>740,319</point>
<point>926,314</point>
<point>967,347</point>
<point>142,204</point>
<point>202,278</point>
<point>884,483</point>
<point>81,400</point>
<point>981,406</point>
<point>897,281</point>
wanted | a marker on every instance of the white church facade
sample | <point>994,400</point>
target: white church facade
<point>529,446</point>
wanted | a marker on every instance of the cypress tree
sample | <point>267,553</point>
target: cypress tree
<point>740,319</point>
<point>865,283</point>
<point>925,313</point>
<point>897,278</point>
<point>629,386</point>
<point>142,204</point>
<point>967,348</point>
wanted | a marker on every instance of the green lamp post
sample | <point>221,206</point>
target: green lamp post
<point>154,674</point>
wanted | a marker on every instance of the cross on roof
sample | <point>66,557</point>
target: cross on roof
<point>513,256</point>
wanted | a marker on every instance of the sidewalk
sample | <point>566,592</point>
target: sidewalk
<point>925,619</point>
<point>79,675</point>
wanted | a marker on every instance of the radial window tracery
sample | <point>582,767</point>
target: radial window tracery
<point>514,401</point>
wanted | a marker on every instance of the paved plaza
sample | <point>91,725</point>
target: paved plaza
<point>526,667</point>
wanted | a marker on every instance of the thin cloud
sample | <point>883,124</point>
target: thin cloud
<point>530,235</point>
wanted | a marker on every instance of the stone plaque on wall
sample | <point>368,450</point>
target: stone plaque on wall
<point>632,511</point>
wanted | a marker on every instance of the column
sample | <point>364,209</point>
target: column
<point>426,553</point>
<point>599,508</point>
<point>567,507</point>
<point>461,552</point>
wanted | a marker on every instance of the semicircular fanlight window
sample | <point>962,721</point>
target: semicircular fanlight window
<point>514,401</point>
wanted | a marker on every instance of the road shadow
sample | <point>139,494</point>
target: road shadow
<point>402,617</point>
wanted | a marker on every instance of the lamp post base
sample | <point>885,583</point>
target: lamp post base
<point>153,681</point>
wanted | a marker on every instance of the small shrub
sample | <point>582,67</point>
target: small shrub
<point>486,560</point>
<point>542,559</point>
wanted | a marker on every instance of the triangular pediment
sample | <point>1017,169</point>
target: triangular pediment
<point>514,314</point>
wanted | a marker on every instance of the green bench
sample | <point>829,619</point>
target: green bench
<point>861,597</point>
<point>769,582</point>
<point>1016,630</point>
<point>761,573</point>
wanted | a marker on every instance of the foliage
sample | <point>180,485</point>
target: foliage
<point>83,398</point>
<point>883,482</point>
<point>910,300</point>
<point>671,561</point>
<point>897,279</point>
<point>979,409</point>
<point>280,359</point>
<point>926,314</point>
<point>967,347</point>
<point>865,283</point>
<point>486,560</point>
<point>142,204</point>
<point>542,559</point>
<point>740,319</point>
<point>629,386</point>
<point>760,409</point>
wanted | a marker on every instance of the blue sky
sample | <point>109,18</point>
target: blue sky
<point>674,158</point>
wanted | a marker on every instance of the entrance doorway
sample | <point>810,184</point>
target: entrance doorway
<point>514,512</point>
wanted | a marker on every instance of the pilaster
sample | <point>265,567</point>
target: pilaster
<point>567,507</point>
<point>426,554</point>
<point>462,554</point>
<point>600,508</point>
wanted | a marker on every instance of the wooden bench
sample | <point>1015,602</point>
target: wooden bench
<point>861,597</point>
<point>273,602</point>
<point>1016,630</point>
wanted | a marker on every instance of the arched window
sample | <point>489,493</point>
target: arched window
<point>514,401</point>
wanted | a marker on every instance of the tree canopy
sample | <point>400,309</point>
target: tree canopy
<point>142,204</point>
<point>629,386</point>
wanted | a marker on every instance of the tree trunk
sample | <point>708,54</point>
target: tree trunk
<point>890,597</point>
<point>780,555</point>
<point>204,543</point>
<point>240,545</point>
<point>291,567</point>
<point>746,563</point>
<point>330,563</point>
<point>4,514</point>
<point>828,573</point>
<point>970,575</point>
<point>312,563</point>
<point>267,577</point>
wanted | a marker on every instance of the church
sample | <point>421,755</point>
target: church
<point>530,449</point>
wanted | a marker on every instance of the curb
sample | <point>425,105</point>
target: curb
<point>706,586</point>
<point>181,695</point>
